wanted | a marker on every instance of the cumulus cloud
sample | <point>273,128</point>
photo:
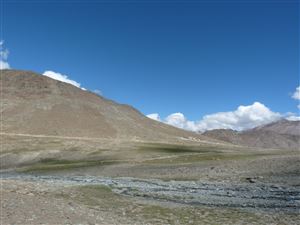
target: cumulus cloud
<point>3,57</point>
<point>293,118</point>
<point>244,117</point>
<point>4,65</point>
<point>180,121</point>
<point>62,78</point>
<point>154,116</point>
<point>296,94</point>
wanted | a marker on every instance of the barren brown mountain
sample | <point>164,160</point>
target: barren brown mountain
<point>281,127</point>
<point>38,105</point>
<point>282,134</point>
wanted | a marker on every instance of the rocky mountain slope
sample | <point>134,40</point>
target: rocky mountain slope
<point>38,105</point>
<point>281,127</point>
<point>281,134</point>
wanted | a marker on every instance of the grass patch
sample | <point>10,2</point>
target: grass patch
<point>48,165</point>
<point>101,197</point>
<point>194,158</point>
<point>177,149</point>
<point>158,214</point>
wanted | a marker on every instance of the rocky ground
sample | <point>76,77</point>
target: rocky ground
<point>165,185</point>
<point>255,195</point>
<point>40,202</point>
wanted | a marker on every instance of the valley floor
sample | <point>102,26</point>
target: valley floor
<point>161,185</point>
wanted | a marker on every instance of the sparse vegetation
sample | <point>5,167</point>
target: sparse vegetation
<point>195,158</point>
<point>102,198</point>
<point>48,165</point>
<point>178,149</point>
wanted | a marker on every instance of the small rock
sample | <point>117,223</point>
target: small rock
<point>251,180</point>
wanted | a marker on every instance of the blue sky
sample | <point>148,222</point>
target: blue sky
<point>193,57</point>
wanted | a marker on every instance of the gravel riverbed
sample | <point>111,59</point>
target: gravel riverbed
<point>256,196</point>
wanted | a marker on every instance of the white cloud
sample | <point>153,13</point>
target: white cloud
<point>296,94</point>
<point>244,117</point>
<point>62,78</point>
<point>154,116</point>
<point>3,57</point>
<point>180,121</point>
<point>293,118</point>
<point>4,65</point>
